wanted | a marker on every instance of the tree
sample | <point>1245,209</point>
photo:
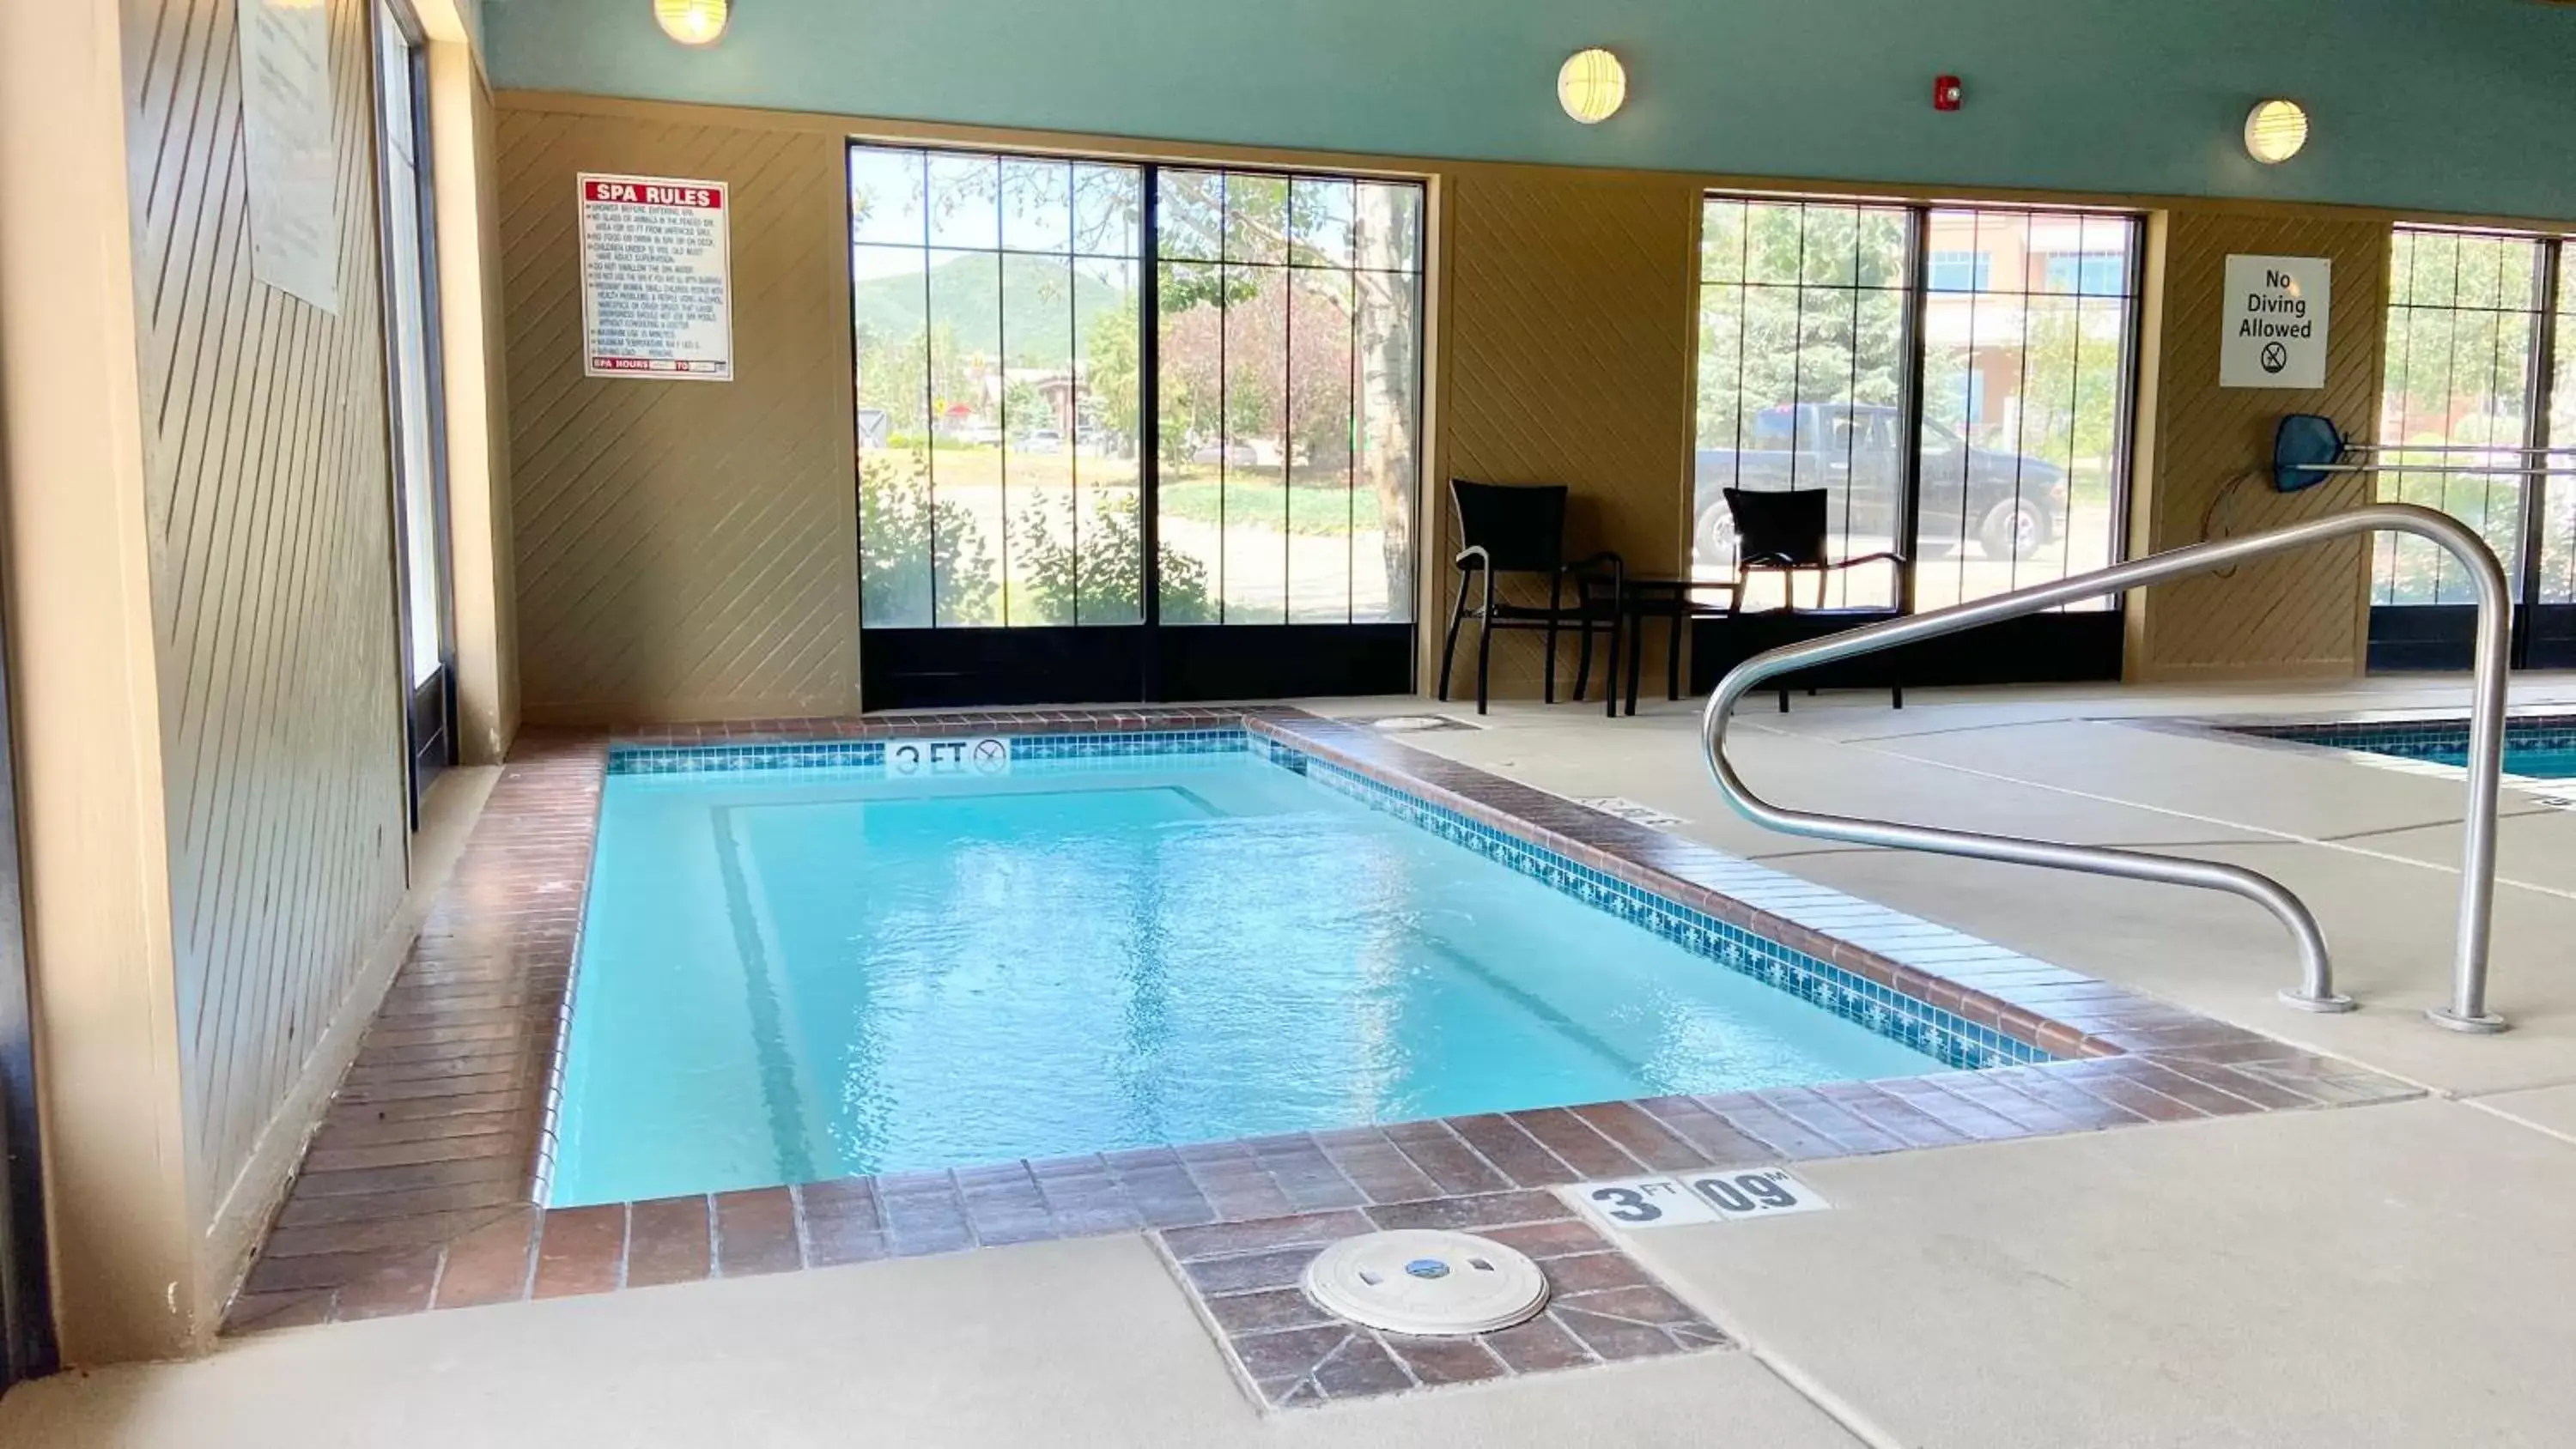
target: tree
<point>1798,303</point>
<point>915,551</point>
<point>1091,571</point>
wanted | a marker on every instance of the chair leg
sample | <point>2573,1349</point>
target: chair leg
<point>1583,660</point>
<point>1784,699</point>
<point>1619,624</point>
<point>1547,671</point>
<point>1897,693</point>
<point>1484,660</point>
<point>1449,651</point>
<point>1673,656</point>
<point>1636,652</point>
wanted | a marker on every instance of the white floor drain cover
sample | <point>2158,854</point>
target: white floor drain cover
<point>1423,1282</point>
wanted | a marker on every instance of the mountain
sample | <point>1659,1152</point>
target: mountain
<point>1046,302</point>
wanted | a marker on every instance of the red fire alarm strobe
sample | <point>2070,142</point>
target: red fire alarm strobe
<point>1946,92</point>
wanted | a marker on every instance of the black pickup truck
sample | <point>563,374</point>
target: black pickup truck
<point>2005,503</point>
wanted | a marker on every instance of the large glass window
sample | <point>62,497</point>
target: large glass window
<point>412,374</point>
<point>2026,401</point>
<point>1007,423</point>
<point>2021,321</point>
<point>2464,314</point>
<point>994,301</point>
<point>1802,322</point>
<point>1288,372</point>
<point>2557,581</point>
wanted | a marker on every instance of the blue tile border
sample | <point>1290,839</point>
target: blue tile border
<point>639,759</point>
<point>2437,741</point>
<point>1944,1036</point>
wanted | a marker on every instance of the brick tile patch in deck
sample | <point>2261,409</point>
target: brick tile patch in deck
<point>1602,1308</point>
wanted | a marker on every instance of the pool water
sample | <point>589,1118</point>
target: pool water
<point>2539,747</point>
<point>789,975</point>
<point>2537,764</point>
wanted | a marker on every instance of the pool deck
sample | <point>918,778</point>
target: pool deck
<point>2391,1273</point>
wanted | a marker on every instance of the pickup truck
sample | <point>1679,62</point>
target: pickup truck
<point>2011,503</point>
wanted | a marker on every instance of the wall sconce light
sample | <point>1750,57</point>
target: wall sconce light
<point>2275,130</point>
<point>691,22</point>
<point>1591,85</point>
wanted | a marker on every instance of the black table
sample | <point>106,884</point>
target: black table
<point>1675,601</point>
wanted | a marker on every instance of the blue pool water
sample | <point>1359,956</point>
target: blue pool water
<point>2538,747</point>
<point>789,975</point>
<point>2538,764</point>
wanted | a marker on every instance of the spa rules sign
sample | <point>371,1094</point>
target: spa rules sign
<point>656,279</point>
<point>2275,322</point>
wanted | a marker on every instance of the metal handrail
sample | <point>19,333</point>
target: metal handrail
<point>2467,1009</point>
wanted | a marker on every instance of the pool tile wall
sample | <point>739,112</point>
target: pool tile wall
<point>2415,739</point>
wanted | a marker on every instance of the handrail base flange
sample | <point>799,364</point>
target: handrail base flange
<point>2336,1003</point>
<point>2483,1024</point>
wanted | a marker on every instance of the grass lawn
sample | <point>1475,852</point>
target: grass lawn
<point>1322,504</point>
<point>1321,507</point>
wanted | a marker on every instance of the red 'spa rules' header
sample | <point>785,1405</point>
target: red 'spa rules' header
<point>640,193</point>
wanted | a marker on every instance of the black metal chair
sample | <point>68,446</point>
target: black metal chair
<point>1784,532</point>
<point>1511,530</point>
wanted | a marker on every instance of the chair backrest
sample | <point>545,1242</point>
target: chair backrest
<point>1520,528</point>
<point>1779,527</point>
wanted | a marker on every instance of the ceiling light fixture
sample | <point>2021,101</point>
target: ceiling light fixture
<point>1591,85</point>
<point>2275,130</point>
<point>691,22</point>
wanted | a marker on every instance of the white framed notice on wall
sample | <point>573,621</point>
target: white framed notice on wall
<point>656,278</point>
<point>289,161</point>
<point>2273,322</point>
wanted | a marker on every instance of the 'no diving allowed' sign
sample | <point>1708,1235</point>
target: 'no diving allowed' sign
<point>2274,322</point>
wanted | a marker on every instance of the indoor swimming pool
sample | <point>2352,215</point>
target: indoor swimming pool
<point>884,958</point>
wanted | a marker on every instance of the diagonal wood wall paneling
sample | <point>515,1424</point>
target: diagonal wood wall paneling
<point>1567,361</point>
<point>269,496</point>
<point>2292,614</point>
<point>686,550</point>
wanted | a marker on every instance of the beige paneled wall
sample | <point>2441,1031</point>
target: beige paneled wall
<point>267,491</point>
<point>201,575</point>
<point>686,550</point>
<point>1567,360</point>
<point>465,169</point>
<point>2299,614</point>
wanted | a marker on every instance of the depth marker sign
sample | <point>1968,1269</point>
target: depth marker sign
<point>1709,1195</point>
<point>2273,322</point>
<point>656,279</point>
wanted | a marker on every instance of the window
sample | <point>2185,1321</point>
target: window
<point>2031,368</point>
<point>2023,327</point>
<point>1021,432</point>
<point>994,302</point>
<point>412,374</point>
<point>1802,322</point>
<point>2096,273</point>
<point>1289,366</point>
<point>1958,271</point>
<point>2463,354</point>
<point>2556,583</point>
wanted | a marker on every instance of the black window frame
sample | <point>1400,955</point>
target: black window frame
<point>2058,646</point>
<point>2441,635</point>
<point>1147,659</point>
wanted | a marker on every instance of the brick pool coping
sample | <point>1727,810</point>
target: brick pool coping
<point>420,1190</point>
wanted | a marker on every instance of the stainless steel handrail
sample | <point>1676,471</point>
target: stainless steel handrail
<point>2315,992</point>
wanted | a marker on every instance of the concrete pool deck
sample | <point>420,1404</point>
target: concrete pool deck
<point>2386,1274</point>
